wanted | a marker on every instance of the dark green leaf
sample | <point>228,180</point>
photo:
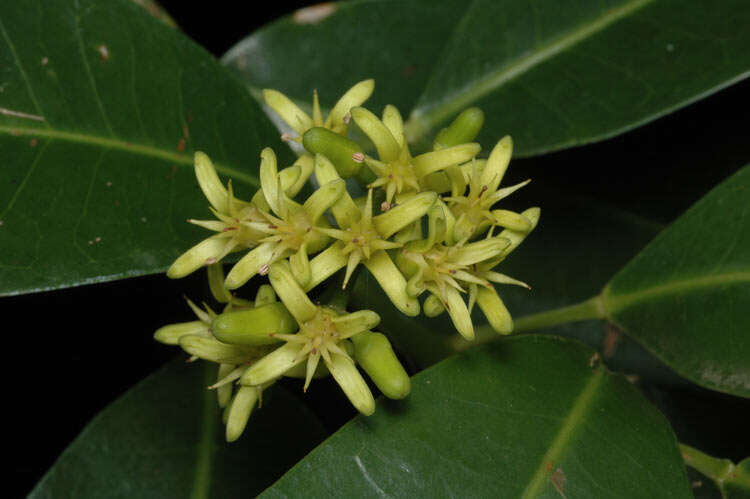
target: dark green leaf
<point>527,416</point>
<point>552,74</point>
<point>164,438</point>
<point>102,108</point>
<point>685,297</point>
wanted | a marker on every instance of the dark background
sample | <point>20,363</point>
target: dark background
<point>73,351</point>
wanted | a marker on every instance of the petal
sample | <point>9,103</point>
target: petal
<point>350,324</point>
<point>213,225</point>
<point>312,366</point>
<point>374,353</point>
<point>354,259</point>
<point>355,96</point>
<point>402,215</point>
<point>216,351</point>
<point>503,193</point>
<point>345,211</point>
<point>210,184</point>
<point>497,163</point>
<point>216,283</point>
<point>273,365</point>
<point>239,413</point>
<point>431,162</point>
<point>323,198</point>
<point>351,382</point>
<point>459,313</point>
<point>205,252</point>
<point>388,148</point>
<point>300,266</point>
<point>433,306</point>
<point>511,220</point>
<point>317,116</point>
<point>325,264</point>
<point>269,179</point>
<point>295,117</point>
<point>305,165</point>
<point>393,282</point>
<point>265,295</point>
<point>228,375</point>
<point>224,393</point>
<point>290,292</point>
<point>394,123</point>
<point>495,311</point>
<point>479,251</point>
<point>504,279</point>
<point>171,333</point>
<point>249,265</point>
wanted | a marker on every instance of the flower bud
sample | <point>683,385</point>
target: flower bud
<point>239,412</point>
<point>464,128</point>
<point>337,148</point>
<point>433,306</point>
<point>216,351</point>
<point>374,353</point>
<point>254,326</point>
<point>171,333</point>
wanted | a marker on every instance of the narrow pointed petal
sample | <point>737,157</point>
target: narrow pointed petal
<point>480,251</point>
<point>344,210</point>
<point>305,166</point>
<point>351,265</point>
<point>209,182</point>
<point>495,311</point>
<point>402,215</point>
<point>269,179</point>
<point>351,382</point>
<point>497,164</point>
<point>273,365</point>
<point>249,265</point>
<point>325,264</point>
<point>459,313</point>
<point>265,295</point>
<point>323,198</point>
<point>395,123</point>
<point>215,351</point>
<point>227,375</point>
<point>350,324</point>
<point>312,365</point>
<point>517,237</point>
<point>378,168</point>
<point>511,220</point>
<point>504,279</point>
<point>171,333</point>
<point>216,283</point>
<point>431,162</point>
<point>224,393</point>
<point>213,225</point>
<point>300,266</point>
<point>503,193</point>
<point>289,176</point>
<point>295,117</point>
<point>239,413</point>
<point>388,148</point>
<point>355,96</point>
<point>393,282</point>
<point>205,252</point>
<point>317,116</point>
<point>290,292</point>
<point>415,284</point>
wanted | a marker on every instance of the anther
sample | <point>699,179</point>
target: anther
<point>263,270</point>
<point>358,157</point>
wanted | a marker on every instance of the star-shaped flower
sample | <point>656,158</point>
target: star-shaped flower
<point>323,333</point>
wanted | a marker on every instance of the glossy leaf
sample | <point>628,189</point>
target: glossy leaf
<point>102,107</point>
<point>685,297</point>
<point>164,438</point>
<point>528,416</point>
<point>553,74</point>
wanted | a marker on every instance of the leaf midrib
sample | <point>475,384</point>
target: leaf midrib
<point>581,407</point>
<point>127,146</point>
<point>614,302</point>
<point>424,118</point>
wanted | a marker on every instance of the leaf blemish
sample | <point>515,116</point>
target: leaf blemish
<point>103,52</point>
<point>558,481</point>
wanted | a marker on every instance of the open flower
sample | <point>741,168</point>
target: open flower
<point>396,171</point>
<point>337,119</point>
<point>323,333</point>
<point>473,209</point>
<point>287,227</point>
<point>363,238</point>
<point>232,232</point>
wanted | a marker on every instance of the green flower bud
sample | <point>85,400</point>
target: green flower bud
<point>254,326</point>
<point>374,353</point>
<point>464,128</point>
<point>239,412</point>
<point>337,148</point>
<point>171,333</point>
<point>433,306</point>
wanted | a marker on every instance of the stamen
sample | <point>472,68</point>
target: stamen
<point>358,157</point>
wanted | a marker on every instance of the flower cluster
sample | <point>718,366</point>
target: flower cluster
<point>427,225</point>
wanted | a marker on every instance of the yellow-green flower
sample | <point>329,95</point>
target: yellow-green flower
<point>396,170</point>
<point>337,119</point>
<point>472,210</point>
<point>287,227</point>
<point>323,333</point>
<point>232,232</point>
<point>364,238</point>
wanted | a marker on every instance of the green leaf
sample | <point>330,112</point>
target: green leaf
<point>164,438</point>
<point>527,416</point>
<point>102,108</point>
<point>685,297</point>
<point>551,74</point>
